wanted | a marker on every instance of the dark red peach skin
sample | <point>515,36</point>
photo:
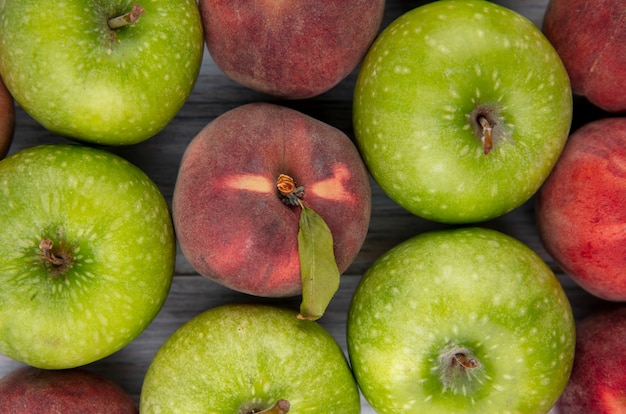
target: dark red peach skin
<point>289,48</point>
<point>581,214</point>
<point>590,37</point>
<point>230,222</point>
<point>7,119</point>
<point>30,390</point>
<point>598,381</point>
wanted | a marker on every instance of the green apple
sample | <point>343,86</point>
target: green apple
<point>465,320</point>
<point>249,358</point>
<point>102,71</point>
<point>87,254</point>
<point>461,109</point>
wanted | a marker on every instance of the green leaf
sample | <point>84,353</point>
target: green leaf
<point>320,275</point>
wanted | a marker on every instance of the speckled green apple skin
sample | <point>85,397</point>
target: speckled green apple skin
<point>76,77</point>
<point>119,227</point>
<point>239,354</point>
<point>417,87</point>
<point>471,287</point>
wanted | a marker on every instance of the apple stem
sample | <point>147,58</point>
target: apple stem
<point>281,407</point>
<point>46,250</point>
<point>465,361</point>
<point>128,18</point>
<point>486,138</point>
<point>458,368</point>
<point>60,261</point>
<point>288,192</point>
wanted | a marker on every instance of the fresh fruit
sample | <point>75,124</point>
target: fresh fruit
<point>249,358</point>
<point>466,320</point>
<point>590,36</point>
<point>598,381</point>
<point>233,224</point>
<point>7,120</point>
<point>79,75</point>
<point>461,110</point>
<point>87,254</point>
<point>29,390</point>
<point>580,209</point>
<point>289,48</point>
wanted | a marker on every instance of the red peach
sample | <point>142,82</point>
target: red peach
<point>7,119</point>
<point>289,48</point>
<point>231,224</point>
<point>30,390</point>
<point>597,384</point>
<point>590,37</point>
<point>580,209</point>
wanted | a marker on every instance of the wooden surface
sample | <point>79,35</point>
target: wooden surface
<point>191,294</point>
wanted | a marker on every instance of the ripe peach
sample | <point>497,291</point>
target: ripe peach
<point>597,384</point>
<point>590,37</point>
<point>7,119</point>
<point>30,390</point>
<point>580,208</point>
<point>289,48</point>
<point>231,223</point>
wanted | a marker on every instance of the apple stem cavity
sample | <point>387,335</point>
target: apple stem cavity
<point>459,370</point>
<point>289,193</point>
<point>128,18</point>
<point>59,260</point>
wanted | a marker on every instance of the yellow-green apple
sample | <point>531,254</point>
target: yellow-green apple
<point>466,320</point>
<point>590,36</point>
<point>461,109</point>
<point>111,72</point>
<point>249,359</point>
<point>87,254</point>
<point>598,381</point>
<point>30,390</point>
<point>580,214</point>
<point>7,119</point>
<point>232,223</point>
<point>289,48</point>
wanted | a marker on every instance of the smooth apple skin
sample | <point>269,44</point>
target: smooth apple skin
<point>466,287</point>
<point>230,222</point>
<point>238,354</point>
<point>122,241</point>
<point>7,119</point>
<point>289,48</point>
<point>598,381</point>
<point>590,35</point>
<point>580,209</point>
<point>416,90</point>
<point>58,61</point>
<point>30,390</point>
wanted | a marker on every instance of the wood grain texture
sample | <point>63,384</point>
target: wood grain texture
<point>191,294</point>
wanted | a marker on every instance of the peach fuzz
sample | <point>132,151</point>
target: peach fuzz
<point>289,48</point>
<point>231,223</point>
<point>580,209</point>
<point>590,37</point>
<point>597,384</point>
<point>29,390</point>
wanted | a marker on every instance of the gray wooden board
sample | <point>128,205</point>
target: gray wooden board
<point>191,294</point>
